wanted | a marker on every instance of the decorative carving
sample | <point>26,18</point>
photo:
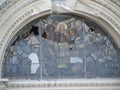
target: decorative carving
<point>109,5</point>
<point>15,11</point>
<point>110,19</point>
<point>27,14</point>
<point>103,3</point>
<point>65,83</point>
<point>7,4</point>
<point>117,2</point>
<point>110,8</point>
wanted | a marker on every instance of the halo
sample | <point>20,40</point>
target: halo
<point>78,23</point>
<point>62,23</point>
<point>48,27</point>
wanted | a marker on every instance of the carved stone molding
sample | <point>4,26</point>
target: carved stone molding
<point>31,1</point>
<point>110,5</point>
<point>101,13</point>
<point>12,12</point>
<point>104,13</point>
<point>111,20</point>
<point>117,2</point>
<point>63,83</point>
<point>27,14</point>
<point>7,4</point>
<point>68,84</point>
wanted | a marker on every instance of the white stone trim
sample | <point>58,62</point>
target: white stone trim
<point>76,84</point>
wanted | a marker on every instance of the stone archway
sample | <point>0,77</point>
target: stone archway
<point>104,13</point>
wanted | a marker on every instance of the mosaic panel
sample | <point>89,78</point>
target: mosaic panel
<point>61,46</point>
